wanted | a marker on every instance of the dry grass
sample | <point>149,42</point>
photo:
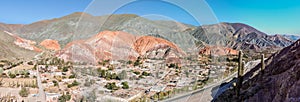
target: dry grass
<point>8,82</point>
<point>21,67</point>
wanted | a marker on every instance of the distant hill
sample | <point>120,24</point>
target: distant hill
<point>78,26</point>
<point>238,36</point>
<point>108,45</point>
<point>292,37</point>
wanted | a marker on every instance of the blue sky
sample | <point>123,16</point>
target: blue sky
<point>270,16</point>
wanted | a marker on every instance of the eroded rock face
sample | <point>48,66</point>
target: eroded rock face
<point>24,43</point>
<point>279,83</point>
<point>119,46</point>
<point>152,47</point>
<point>217,51</point>
<point>50,44</point>
<point>104,45</point>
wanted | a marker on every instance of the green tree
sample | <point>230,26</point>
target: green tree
<point>24,92</point>
<point>137,72</point>
<point>111,86</point>
<point>1,71</point>
<point>72,76</point>
<point>114,76</point>
<point>75,83</point>
<point>129,62</point>
<point>64,98</point>
<point>65,69</point>
<point>146,73</point>
<point>125,85</point>
<point>11,75</point>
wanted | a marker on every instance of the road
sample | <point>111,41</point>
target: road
<point>200,95</point>
<point>205,94</point>
<point>41,95</point>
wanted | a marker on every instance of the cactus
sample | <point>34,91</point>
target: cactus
<point>262,66</point>
<point>240,73</point>
<point>262,63</point>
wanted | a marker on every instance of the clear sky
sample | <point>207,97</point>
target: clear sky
<point>270,16</point>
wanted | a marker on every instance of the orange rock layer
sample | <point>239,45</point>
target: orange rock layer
<point>113,45</point>
<point>50,44</point>
<point>218,51</point>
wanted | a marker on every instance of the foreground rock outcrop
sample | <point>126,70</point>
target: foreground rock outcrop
<point>280,81</point>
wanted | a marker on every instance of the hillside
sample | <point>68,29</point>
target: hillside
<point>118,46</point>
<point>79,26</point>
<point>9,50</point>
<point>292,37</point>
<point>238,36</point>
<point>279,83</point>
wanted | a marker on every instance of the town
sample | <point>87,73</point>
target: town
<point>53,79</point>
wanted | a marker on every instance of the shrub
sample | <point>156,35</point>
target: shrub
<point>125,85</point>
<point>137,72</point>
<point>65,69</point>
<point>146,74</point>
<point>12,75</point>
<point>111,86</point>
<point>75,83</point>
<point>72,76</point>
<point>64,98</point>
<point>24,92</point>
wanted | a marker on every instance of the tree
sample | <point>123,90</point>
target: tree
<point>125,85</point>
<point>129,62</point>
<point>137,62</point>
<point>146,73</point>
<point>72,76</point>
<point>64,98</point>
<point>65,69</point>
<point>1,71</point>
<point>114,76</point>
<point>75,83</point>
<point>108,76</point>
<point>11,75</point>
<point>55,83</point>
<point>111,86</point>
<point>103,73</point>
<point>137,72</point>
<point>24,92</point>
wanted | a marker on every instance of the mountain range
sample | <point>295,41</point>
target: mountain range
<point>81,31</point>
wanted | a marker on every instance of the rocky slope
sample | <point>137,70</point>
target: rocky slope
<point>79,26</point>
<point>117,46</point>
<point>9,48</point>
<point>238,36</point>
<point>292,37</point>
<point>217,51</point>
<point>50,44</point>
<point>279,83</point>
<point>152,47</point>
<point>24,43</point>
